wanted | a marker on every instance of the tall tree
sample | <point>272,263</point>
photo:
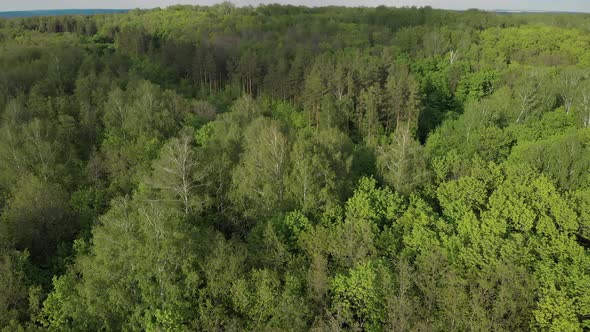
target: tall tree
<point>567,84</point>
<point>404,100</point>
<point>532,94</point>
<point>259,179</point>
<point>320,163</point>
<point>402,162</point>
<point>177,175</point>
<point>36,217</point>
<point>370,106</point>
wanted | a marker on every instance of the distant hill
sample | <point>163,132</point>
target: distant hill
<point>29,13</point>
<point>514,11</point>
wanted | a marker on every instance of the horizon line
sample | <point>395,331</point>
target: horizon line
<point>497,10</point>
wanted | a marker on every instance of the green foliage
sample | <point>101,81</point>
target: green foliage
<point>565,158</point>
<point>356,294</point>
<point>402,162</point>
<point>379,205</point>
<point>259,179</point>
<point>478,85</point>
<point>322,162</point>
<point>282,168</point>
<point>13,294</point>
<point>556,312</point>
<point>37,217</point>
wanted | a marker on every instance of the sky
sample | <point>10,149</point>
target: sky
<point>546,5</point>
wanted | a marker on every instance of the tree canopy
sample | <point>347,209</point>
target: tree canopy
<point>288,168</point>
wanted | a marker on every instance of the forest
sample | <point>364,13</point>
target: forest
<point>283,168</point>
